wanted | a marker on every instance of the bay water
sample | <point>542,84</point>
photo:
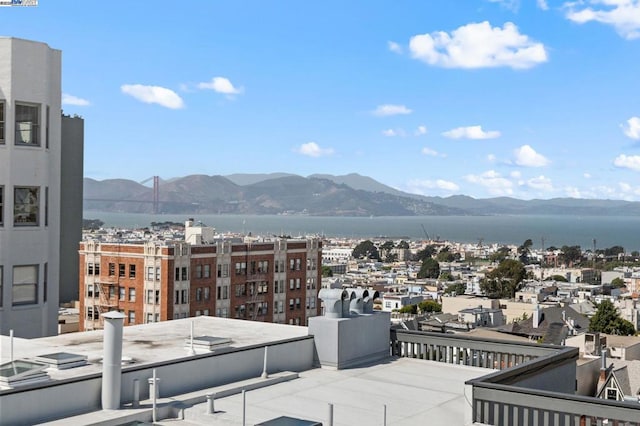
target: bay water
<point>555,230</point>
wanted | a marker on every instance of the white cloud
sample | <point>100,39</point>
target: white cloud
<point>515,174</point>
<point>491,158</point>
<point>394,132</point>
<point>68,99</point>
<point>527,157</point>
<point>586,175</point>
<point>421,130</point>
<point>389,109</point>
<point>493,181</point>
<point>512,5</point>
<point>573,192</point>
<point>542,4</point>
<point>478,45</point>
<point>628,162</point>
<point>394,47</point>
<point>471,132</point>
<point>431,152</point>
<point>153,95</point>
<point>418,186</point>
<point>623,15</point>
<point>312,149</point>
<point>540,183</point>
<point>221,85</point>
<point>632,129</point>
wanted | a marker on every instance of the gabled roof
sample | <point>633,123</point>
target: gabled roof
<point>548,317</point>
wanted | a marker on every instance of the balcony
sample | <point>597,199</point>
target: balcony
<point>533,385</point>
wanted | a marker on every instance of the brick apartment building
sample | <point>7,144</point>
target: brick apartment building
<point>275,281</point>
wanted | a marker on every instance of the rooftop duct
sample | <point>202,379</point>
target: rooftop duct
<point>112,360</point>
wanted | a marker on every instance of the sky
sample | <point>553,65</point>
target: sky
<point>520,98</point>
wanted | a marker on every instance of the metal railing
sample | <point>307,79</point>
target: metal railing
<point>534,385</point>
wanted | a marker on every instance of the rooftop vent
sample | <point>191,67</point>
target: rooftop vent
<point>62,360</point>
<point>207,343</point>
<point>289,421</point>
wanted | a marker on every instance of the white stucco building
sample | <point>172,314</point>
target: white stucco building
<point>30,176</point>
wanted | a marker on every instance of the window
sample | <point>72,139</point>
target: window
<point>121,293</point>
<point>150,296</point>
<point>1,122</point>
<point>132,271</point>
<point>27,124</point>
<point>46,206</point>
<point>205,312</point>
<point>112,291</point>
<point>313,302</point>
<point>122,270</point>
<point>131,317</point>
<point>297,303</point>
<point>241,268</point>
<point>298,263</point>
<point>157,299</point>
<point>112,269</point>
<point>263,287</point>
<point>46,135</point>
<point>198,294</point>
<point>1,202</point>
<point>25,285</point>
<point>292,264</point>
<point>198,271</point>
<point>297,283</point>
<point>185,275</point>
<point>185,296</point>
<point>132,294</point>
<point>89,290</point>
<point>198,313</point>
<point>44,281</point>
<point>219,293</point>
<point>177,274</point>
<point>225,292</point>
<point>207,271</point>
<point>149,318</point>
<point>240,290</point>
<point>89,268</point>
<point>291,304</point>
<point>93,314</point>
<point>207,293</point>
<point>157,273</point>
<point>291,284</point>
<point>26,206</point>
<point>96,269</point>
<point>149,273</point>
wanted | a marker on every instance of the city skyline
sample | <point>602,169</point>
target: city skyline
<point>529,98</point>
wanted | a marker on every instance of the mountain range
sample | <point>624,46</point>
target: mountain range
<point>317,195</point>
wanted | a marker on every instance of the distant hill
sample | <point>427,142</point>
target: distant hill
<point>319,195</point>
<point>286,194</point>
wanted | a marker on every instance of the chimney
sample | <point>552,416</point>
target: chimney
<point>536,316</point>
<point>112,360</point>
<point>603,365</point>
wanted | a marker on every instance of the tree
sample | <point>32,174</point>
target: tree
<point>430,268</point>
<point>571,254</point>
<point>607,320</point>
<point>430,306</point>
<point>425,253</point>
<point>557,278</point>
<point>445,276</point>
<point>327,271</point>
<point>366,250</point>
<point>92,224</point>
<point>391,257</point>
<point>445,255</point>
<point>635,254</point>
<point>409,309</point>
<point>403,245</point>
<point>500,255</point>
<point>617,282</point>
<point>525,250</point>
<point>458,288</point>
<point>504,280</point>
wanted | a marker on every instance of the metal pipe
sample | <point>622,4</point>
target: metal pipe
<point>112,360</point>
<point>265,375</point>
<point>191,350</point>
<point>330,422</point>
<point>136,393</point>
<point>211,397</point>
<point>244,408</point>
<point>11,345</point>
<point>384,420</point>
<point>154,397</point>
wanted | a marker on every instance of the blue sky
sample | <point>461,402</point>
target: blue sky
<point>523,98</point>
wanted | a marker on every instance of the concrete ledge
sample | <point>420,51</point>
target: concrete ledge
<point>170,407</point>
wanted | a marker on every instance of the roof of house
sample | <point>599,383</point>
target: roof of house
<point>549,316</point>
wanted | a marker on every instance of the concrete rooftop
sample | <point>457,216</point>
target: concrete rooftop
<point>415,392</point>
